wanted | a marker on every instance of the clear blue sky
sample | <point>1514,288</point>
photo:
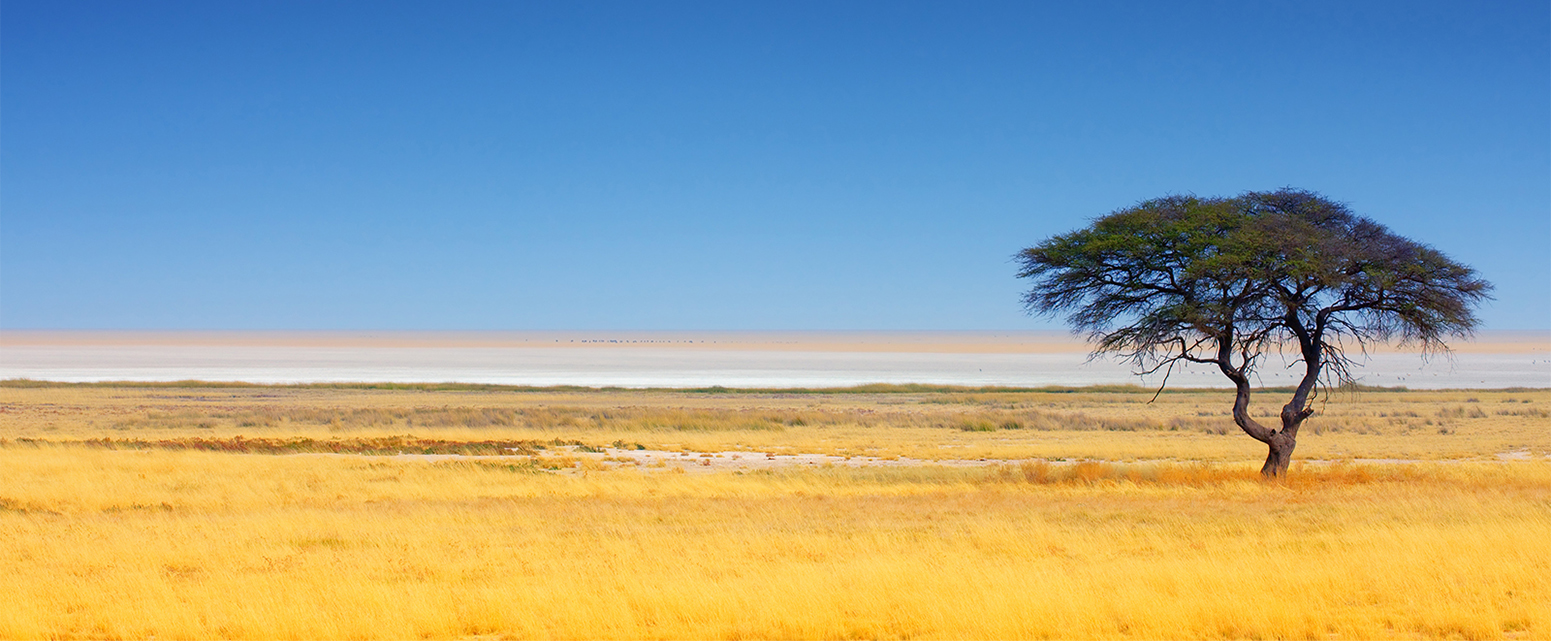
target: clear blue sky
<point>720,165</point>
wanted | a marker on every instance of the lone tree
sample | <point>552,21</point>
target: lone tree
<point>1227,281</point>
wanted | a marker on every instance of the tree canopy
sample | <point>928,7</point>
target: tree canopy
<point>1225,281</point>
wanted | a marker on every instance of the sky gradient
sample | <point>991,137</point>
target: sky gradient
<point>720,165</point>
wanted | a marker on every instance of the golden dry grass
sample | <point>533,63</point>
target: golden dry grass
<point>1112,425</point>
<point>193,545</point>
<point>190,544</point>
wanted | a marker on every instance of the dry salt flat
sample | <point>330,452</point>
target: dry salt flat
<point>692,359</point>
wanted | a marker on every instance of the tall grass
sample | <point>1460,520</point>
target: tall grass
<point>191,544</point>
<point>140,511</point>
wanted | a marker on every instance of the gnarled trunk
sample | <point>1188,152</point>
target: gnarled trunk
<point>1282,442</point>
<point>1279,443</point>
<point>1280,455</point>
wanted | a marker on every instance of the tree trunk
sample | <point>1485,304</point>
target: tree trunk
<point>1280,442</point>
<point>1280,456</point>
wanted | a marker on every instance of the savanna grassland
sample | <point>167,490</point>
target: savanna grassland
<point>433,512</point>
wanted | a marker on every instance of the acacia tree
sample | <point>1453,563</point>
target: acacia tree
<point>1228,281</point>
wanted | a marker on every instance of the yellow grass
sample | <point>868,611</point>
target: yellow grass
<point>185,544</point>
<point>1190,426</point>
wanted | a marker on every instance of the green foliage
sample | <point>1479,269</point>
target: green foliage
<point>1245,273</point>
<point>1224,281</point>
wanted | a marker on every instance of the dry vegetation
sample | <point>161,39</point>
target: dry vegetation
<point>1108,424</point>
<point>192,512</point>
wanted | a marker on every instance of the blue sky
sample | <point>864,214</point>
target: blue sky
<point>720,165</point>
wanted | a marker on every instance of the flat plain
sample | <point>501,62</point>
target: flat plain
<point>425,511</point>
<point>698,359</point>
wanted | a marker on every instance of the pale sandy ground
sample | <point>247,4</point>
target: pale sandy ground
<point>691,359</point>
<point>654,460</point>
<point>741,461</point>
